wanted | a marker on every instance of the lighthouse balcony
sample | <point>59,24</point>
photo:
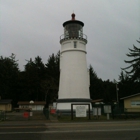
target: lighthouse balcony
<point>82,37</point>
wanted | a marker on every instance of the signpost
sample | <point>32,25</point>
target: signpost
<point>97,111</point>
<point>107,109</point>
<point>31,113</point>
<point>80,110</point>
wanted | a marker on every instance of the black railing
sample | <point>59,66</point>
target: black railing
<point>83,36</point>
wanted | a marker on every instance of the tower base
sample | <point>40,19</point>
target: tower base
<point>64,105</point>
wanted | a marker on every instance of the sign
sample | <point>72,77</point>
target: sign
<point>31,113</point>
<point>96,111</point>
<point>107,108</point>
<point>25,114</point>
<point>81,111</point>
<point>53,111</point>
<point>54,105</point>
<point>99,111</point>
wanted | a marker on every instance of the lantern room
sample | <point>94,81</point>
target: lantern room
<point>73,29</point>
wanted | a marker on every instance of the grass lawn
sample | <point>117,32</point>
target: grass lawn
<point>67,118</point>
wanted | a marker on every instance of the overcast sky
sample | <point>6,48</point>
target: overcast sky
<point>31,28</point>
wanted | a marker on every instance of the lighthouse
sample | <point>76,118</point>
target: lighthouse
<point>74,74</point>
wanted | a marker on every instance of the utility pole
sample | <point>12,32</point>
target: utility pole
<point>117,89</point>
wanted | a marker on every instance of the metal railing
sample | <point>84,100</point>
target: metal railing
<point>83,36</point>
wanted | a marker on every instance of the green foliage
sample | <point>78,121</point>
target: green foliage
<point>101,89</point>
<point>9,74</point>
<point>96,89</point>
<point>134,73</point>
<point>35,73</point>
<point>52,83</point>
<point>109,91</point>
<point>40,81</point>
<point>129,81</point>
<point>127,86</point>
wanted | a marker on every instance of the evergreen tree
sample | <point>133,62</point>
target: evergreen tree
<point>134,73</point>
<point>96,88</point>
<point>35,73</point>
<point>127,86</point>
<point>109,92</point>
<point>9,73</point>
<point>53,73</point>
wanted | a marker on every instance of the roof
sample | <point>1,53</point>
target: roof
<point>130,96</point>
<point>28,103</point>
<point>73,21</point>
<point>5,101</point>
<point>97,100</point>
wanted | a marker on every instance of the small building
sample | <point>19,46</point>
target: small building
<point>33,105</point>
<point>132,103</point>
<point>5,105</point>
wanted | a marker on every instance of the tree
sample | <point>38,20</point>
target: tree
<point>134,73</point>
<point>40,81</point>
<point>101,89</point>
<point>52,83</point>
<point>96,87</point>
<point>109,91</point>
<point>127,86</point>
<point>9,74</point>
<point>35,73</point>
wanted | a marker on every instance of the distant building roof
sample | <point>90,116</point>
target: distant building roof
<point>130,96</point>
<point>5,101</point>
<point>97,100</point>
<point>31,103</point>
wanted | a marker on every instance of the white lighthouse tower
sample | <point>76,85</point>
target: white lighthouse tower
<point>74,75</point>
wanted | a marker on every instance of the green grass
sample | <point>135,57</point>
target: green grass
<point>81,119</point>
<point>64,118</point>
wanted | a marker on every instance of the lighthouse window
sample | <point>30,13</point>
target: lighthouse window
<point>75,44</point>
<point>66,33</point>
<point>81,33</point>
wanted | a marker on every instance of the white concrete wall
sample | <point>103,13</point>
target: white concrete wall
<point>67,106</point>
<point>74,75</point>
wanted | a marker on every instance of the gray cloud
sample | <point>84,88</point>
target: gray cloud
<point>31,28</point>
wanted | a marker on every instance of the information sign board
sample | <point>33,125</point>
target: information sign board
<point>107,108</point>
<point>81,111</point>
<point>96,111</point>
<point>99,111</point>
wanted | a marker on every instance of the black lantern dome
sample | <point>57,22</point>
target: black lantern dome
<point>73,29</point>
